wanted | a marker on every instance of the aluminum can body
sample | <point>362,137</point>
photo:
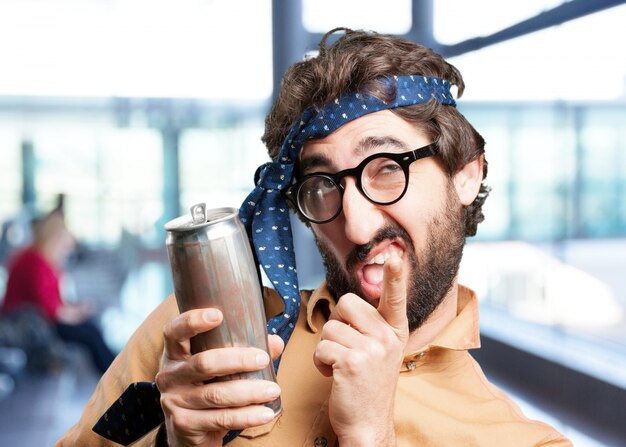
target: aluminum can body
<point>212,266</point>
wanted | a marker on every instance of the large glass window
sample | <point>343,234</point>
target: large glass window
<point>551,107</point>
<point>573,61</point>
<point>10,173</point>
<point>452,24</point>
<point>143,48</point>
<point>603,171</point>
<point>62,64</point>
<point>218,165</point>
<point>112,178</point>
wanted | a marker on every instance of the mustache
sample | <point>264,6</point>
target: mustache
<point>361,252</point>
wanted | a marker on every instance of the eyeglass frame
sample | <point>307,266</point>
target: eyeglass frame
<point>404,160</point>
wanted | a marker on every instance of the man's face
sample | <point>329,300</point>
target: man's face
<point>425,227</point>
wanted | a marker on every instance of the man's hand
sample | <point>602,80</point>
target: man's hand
<point>363,348</point>
<point>200,414</point>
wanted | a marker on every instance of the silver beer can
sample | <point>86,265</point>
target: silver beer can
<point>212,266</point>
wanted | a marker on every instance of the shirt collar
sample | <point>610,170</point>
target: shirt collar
<point>461,334</point>
<point>463,331</point>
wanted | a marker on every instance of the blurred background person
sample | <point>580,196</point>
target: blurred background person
<point>34,284</point>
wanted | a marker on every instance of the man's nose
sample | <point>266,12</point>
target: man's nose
<point>362,218</point>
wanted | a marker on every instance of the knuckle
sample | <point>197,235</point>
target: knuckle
<point>243,360</point>
<point>224,420</point>
<point>173,328</point>
<point>186,319</point>
<point>387,337</point>
<point>168,329</point>
<point>354,362</point>
<point>178,421</point>
<point>214,395</point>
<point>276,344</point>
<point>317,352</point>
<point>321,347</point>
<point>328,328</point>
<point>319,358</point>
<point>161,381</point>
<point>249,420</point>
<point>202,362</point>
<point>394,277</point>
<point>379,350</point>
<point>349,299</point>
<point>246,359</point>
<point>168,404</point>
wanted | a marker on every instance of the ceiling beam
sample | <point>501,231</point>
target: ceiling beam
<point>565,12</point>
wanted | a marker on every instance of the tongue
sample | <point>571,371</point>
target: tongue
<point>373,274</point>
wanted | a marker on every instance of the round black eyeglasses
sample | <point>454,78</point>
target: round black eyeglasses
<point>382,178</point>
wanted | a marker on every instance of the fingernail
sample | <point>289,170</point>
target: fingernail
<point>262,359</point>
<point>211,315</point>
<point>272,391</point>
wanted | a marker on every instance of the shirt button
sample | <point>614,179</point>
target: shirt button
<point>321,441</point>
<point>421,354</point>
<point>411,366</point>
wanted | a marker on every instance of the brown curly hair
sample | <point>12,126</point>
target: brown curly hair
<point>356,62</point>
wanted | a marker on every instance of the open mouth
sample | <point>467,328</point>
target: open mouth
<point>370,272</point>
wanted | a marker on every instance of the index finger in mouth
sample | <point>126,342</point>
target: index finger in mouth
<point>392,305</point>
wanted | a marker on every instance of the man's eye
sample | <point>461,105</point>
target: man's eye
<point>383,167</point>
<point>390,167</point>
<point>326,184</point>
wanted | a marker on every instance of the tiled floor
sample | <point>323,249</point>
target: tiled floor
<point>42,407</point>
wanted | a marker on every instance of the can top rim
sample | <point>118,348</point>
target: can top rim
<point>213,216</point>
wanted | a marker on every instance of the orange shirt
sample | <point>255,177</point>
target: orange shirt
<point>442,397</point>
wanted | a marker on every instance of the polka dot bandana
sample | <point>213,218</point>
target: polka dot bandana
<point>265,213</point>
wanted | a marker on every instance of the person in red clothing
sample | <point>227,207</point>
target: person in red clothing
<point>34,283</point>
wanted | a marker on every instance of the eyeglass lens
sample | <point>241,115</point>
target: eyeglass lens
<point>382,181</point>
<point>319,198</point>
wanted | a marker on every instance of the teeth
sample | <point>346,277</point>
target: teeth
<point>381,258</point>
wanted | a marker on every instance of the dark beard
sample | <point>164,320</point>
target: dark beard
<point>431,277</point>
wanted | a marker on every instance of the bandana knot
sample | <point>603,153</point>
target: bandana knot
<point>273,175</point>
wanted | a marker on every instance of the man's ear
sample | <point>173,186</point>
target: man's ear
<point>468,179</point>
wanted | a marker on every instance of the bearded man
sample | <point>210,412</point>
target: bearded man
<point>369,150</point>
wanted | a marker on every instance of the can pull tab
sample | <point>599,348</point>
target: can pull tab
<point>198,213</point>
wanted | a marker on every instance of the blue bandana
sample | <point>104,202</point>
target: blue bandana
<point>265,213</point>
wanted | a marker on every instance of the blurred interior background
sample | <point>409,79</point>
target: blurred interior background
<point>135,110</point>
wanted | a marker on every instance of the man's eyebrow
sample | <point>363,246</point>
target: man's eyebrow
<point>369,144</point>
<point>362,148</point>
<point>312,163</point>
